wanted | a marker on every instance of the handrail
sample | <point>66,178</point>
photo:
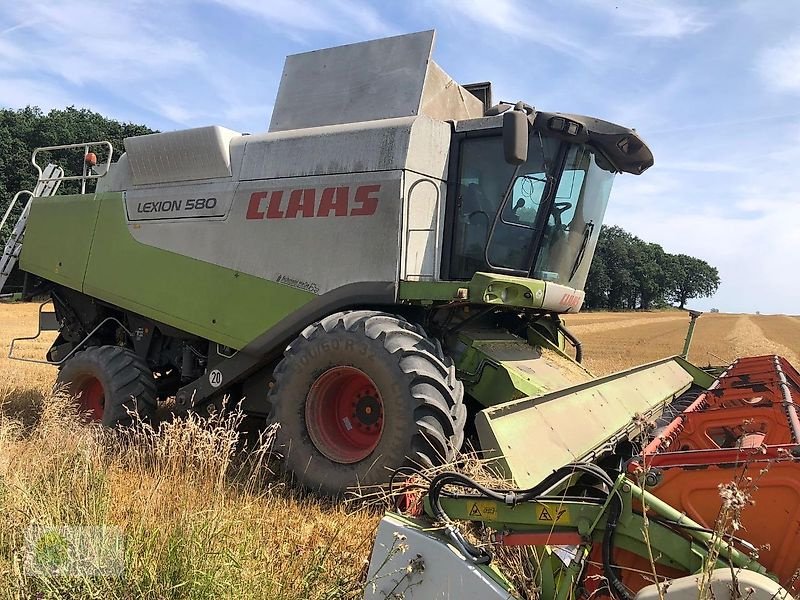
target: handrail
<point>80,344</point>
<point>87,174</point>
<point>11,206</point>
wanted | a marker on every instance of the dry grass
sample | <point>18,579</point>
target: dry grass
<point>199,520</point>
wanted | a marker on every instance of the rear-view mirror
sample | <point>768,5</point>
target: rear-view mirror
<point>515,136</point>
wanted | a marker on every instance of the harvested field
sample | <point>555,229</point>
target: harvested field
<point>615,341</point>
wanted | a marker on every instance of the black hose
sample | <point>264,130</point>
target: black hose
<point>405,471</point>
<point>618,590</point>
<point>572,340</point>
<point>508,497</point>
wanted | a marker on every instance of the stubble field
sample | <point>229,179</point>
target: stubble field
<point>615,341</point>
<point>199,522</point>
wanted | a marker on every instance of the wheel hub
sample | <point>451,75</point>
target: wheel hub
<point>344,414</point>
<point>91,398</point>
<point>368,410</point>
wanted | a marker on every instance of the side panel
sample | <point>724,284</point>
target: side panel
<point>313,233</point>
<point>218,303</point>
<point>58,237</point>
<point>426,566</point>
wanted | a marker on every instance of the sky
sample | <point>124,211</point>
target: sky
<point>713,87</point>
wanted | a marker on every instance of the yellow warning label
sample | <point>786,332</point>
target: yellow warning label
<point>553,513</point>
<point>484,510</point>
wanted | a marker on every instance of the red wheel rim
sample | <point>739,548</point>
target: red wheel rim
<point>344,414</point>
<point>91,398</point>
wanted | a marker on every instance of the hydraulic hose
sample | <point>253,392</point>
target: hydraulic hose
<point>576,343</point>
<point>508,497</point>
<point>618,590</point>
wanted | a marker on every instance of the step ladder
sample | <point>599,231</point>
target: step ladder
<point>49,181</point>
<point>50,178</point>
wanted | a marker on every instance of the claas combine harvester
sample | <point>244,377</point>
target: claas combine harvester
<point>382,273</point>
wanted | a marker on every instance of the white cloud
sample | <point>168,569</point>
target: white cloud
<point>778,66</point>
<point>654,18</point>
<point>514,20</point>
<point>339,16</point>
<point>134,52</point>
<point>21,25</point>
<point>105,44</point>
<point>17,92</point>
<point>701,166</point>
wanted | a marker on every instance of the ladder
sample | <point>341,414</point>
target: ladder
<point>50,178</point>
<point>48,184</point>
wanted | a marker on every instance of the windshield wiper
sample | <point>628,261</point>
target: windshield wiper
<point>587,233</point>
<point>533,178</point>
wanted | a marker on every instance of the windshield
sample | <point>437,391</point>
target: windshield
<point>508,220</point>
<point>573,225</point>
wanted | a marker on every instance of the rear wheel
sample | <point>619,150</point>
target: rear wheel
<point>361,393</point>
<point>109,381</point>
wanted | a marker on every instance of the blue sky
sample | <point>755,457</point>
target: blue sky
<point>713,87</point>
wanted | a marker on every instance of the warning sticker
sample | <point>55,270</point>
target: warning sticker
<point>483,510</point>
<point>553,513</point>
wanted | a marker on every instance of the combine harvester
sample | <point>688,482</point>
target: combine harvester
<point>382,273</point>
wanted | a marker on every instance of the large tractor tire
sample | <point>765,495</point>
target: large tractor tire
<point>108,381</point>
<point>361,393</point>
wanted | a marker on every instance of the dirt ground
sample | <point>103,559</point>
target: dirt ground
<point>615,341</point>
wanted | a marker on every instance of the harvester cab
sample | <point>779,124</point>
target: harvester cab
<point>530,193</point>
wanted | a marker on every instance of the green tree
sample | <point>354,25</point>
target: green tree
<point>598,283</point>
<point>655,275</point>
<point>616,249</point>
<point>629,273</point>
<point>23,130</point>
<point>695,278</point>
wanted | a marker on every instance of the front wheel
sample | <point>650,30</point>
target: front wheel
<point>360,394</point>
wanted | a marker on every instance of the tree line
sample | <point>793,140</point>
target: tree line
<point>23,130</point>
<point>628,273</point>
